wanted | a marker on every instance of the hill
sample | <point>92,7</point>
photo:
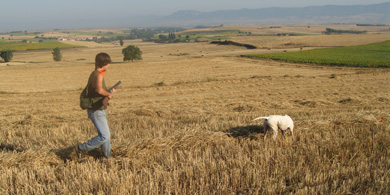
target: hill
<point>372,14</point>
<point>329,14</point>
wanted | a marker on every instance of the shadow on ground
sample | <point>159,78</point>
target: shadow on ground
<point>10,148</point>
<point>68,154</point>
<point>250,131</point>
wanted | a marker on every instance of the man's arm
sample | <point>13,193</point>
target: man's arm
<point>97,84</point>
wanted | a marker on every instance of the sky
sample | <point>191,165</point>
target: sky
<point>35,14</point>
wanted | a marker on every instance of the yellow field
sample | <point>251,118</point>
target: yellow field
<point>182,124</point>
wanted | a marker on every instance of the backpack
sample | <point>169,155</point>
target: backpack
<point>85,100</point>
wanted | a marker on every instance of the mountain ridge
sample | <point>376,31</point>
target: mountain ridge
<point>374,13</point>
<point>327,14</point>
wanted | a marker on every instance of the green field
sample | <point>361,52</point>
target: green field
<point>371,55</point>
<point>30,46</point>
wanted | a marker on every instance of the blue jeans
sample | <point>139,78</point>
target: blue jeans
<point>98,117</point>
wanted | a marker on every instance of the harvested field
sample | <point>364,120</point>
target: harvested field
<point>183,124</point>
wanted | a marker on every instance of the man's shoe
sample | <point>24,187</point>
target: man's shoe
<point>79,152</point>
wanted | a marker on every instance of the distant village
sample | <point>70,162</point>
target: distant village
<point>75,38</point>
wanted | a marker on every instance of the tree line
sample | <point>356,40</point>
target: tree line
<point>144,34</point>
<point>172,38</point>
<point>130,53</point>
<point>329,31</point>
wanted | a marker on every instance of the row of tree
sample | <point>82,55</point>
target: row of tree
<point>145,34</point>
<point>172,38</point>
<point>329,31</point>
<point>7,55</point>
<point>130,53</point>
<point>134,34</point>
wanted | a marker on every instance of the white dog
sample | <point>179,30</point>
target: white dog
<point>276,122</point>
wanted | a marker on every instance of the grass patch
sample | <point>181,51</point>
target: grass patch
<point>211,79</point>
<point>371,55</point>
<point>32,46</point>
<point>159,84</point>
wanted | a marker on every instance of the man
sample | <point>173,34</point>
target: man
<point>97,91</point>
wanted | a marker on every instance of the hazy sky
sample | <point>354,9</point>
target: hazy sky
<point>30,14</point>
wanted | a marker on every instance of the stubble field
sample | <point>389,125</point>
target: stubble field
<point>182,124</point>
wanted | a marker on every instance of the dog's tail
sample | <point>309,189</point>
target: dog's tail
<point>260,118</point>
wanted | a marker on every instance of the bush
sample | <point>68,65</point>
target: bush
<point>6,55</point>
<point>132,53</point>
<point>57,56</point>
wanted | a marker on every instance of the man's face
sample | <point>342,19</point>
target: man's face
<point>105,67</point>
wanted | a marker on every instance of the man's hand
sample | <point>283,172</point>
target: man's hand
<point>105,102</point>
<point>105,99</point>
<point>109,96</point>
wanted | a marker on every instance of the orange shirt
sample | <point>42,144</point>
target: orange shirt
<point>102,72</point>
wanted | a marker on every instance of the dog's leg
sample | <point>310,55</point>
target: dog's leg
<point>275,133</point>
<point>265,126</point>
<point>283,134</point>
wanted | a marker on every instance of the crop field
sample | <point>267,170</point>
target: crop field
<point>182,124</point>
<point>372,55</point>
<point>34,45</point>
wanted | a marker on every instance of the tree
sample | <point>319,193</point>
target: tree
<point>121,42</point>
<point>163,38</point>
<point>132,53</point>
<point>57,56</point>
<point>171,37</point>
<point>6,55</point>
